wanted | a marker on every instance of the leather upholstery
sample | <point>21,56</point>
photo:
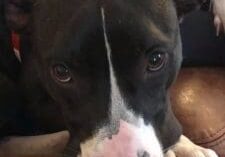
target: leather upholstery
<point>198,99</point>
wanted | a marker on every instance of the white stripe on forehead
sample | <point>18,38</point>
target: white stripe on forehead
<point>118,104</point>
<point>133,136</point>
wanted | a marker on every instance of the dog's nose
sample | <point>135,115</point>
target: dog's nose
<point>143,154</point>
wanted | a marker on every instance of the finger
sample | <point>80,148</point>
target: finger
<point>209,153</point>
<point>198,153</point>
<point>34,145</point>
<point>170,153</point>
<point>218,10</point>
<point>217,23</point>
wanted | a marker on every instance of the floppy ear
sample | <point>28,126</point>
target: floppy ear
<point>16,13</point>
<point>185,6</point>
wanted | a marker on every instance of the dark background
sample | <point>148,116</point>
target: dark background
<point>201,46</point>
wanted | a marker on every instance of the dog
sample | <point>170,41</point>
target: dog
<point>101,69</point>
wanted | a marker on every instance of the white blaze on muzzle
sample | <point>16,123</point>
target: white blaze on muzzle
<point>133,137</point>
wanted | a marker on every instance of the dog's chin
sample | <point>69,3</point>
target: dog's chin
<point>130,141</point>
<point>121,145</point>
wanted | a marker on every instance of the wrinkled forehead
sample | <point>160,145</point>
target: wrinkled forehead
<point>145,13</point>
<point>150,22</point>
<point>56,20</point>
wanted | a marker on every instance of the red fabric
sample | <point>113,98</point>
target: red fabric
<point>16,45</point>
<point>16,41</point>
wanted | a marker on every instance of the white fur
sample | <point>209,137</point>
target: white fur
<point>186,148</point>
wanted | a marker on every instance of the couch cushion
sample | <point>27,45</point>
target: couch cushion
<point>201,46</point>
<point>198,99</point>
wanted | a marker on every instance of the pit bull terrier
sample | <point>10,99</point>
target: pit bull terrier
<point>102,69</point>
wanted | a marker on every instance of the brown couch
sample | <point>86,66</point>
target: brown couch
<point>198,99</point>
<point>198,96</point>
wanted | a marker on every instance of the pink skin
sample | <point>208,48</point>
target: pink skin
<point>129,141</point>
<point>219,15</point>
<point>122,143</point>
<point>125,143</point>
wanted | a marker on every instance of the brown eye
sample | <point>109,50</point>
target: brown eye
<point>62,73</point>
<point>156,61</point>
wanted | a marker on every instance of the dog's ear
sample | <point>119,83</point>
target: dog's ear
<point>185,6</point>
<point>16,13</point>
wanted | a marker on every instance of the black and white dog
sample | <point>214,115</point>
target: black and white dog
<point>102,69</point>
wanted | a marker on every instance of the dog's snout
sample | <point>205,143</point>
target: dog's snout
<point>143,153</point>
<point>129,141</point>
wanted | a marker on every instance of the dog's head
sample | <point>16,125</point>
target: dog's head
<point>110,65</point>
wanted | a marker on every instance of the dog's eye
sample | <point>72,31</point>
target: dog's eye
<point>156,60</point>
<point>62,73</point>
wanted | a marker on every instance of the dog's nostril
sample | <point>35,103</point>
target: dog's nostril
<point>143,154</point>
